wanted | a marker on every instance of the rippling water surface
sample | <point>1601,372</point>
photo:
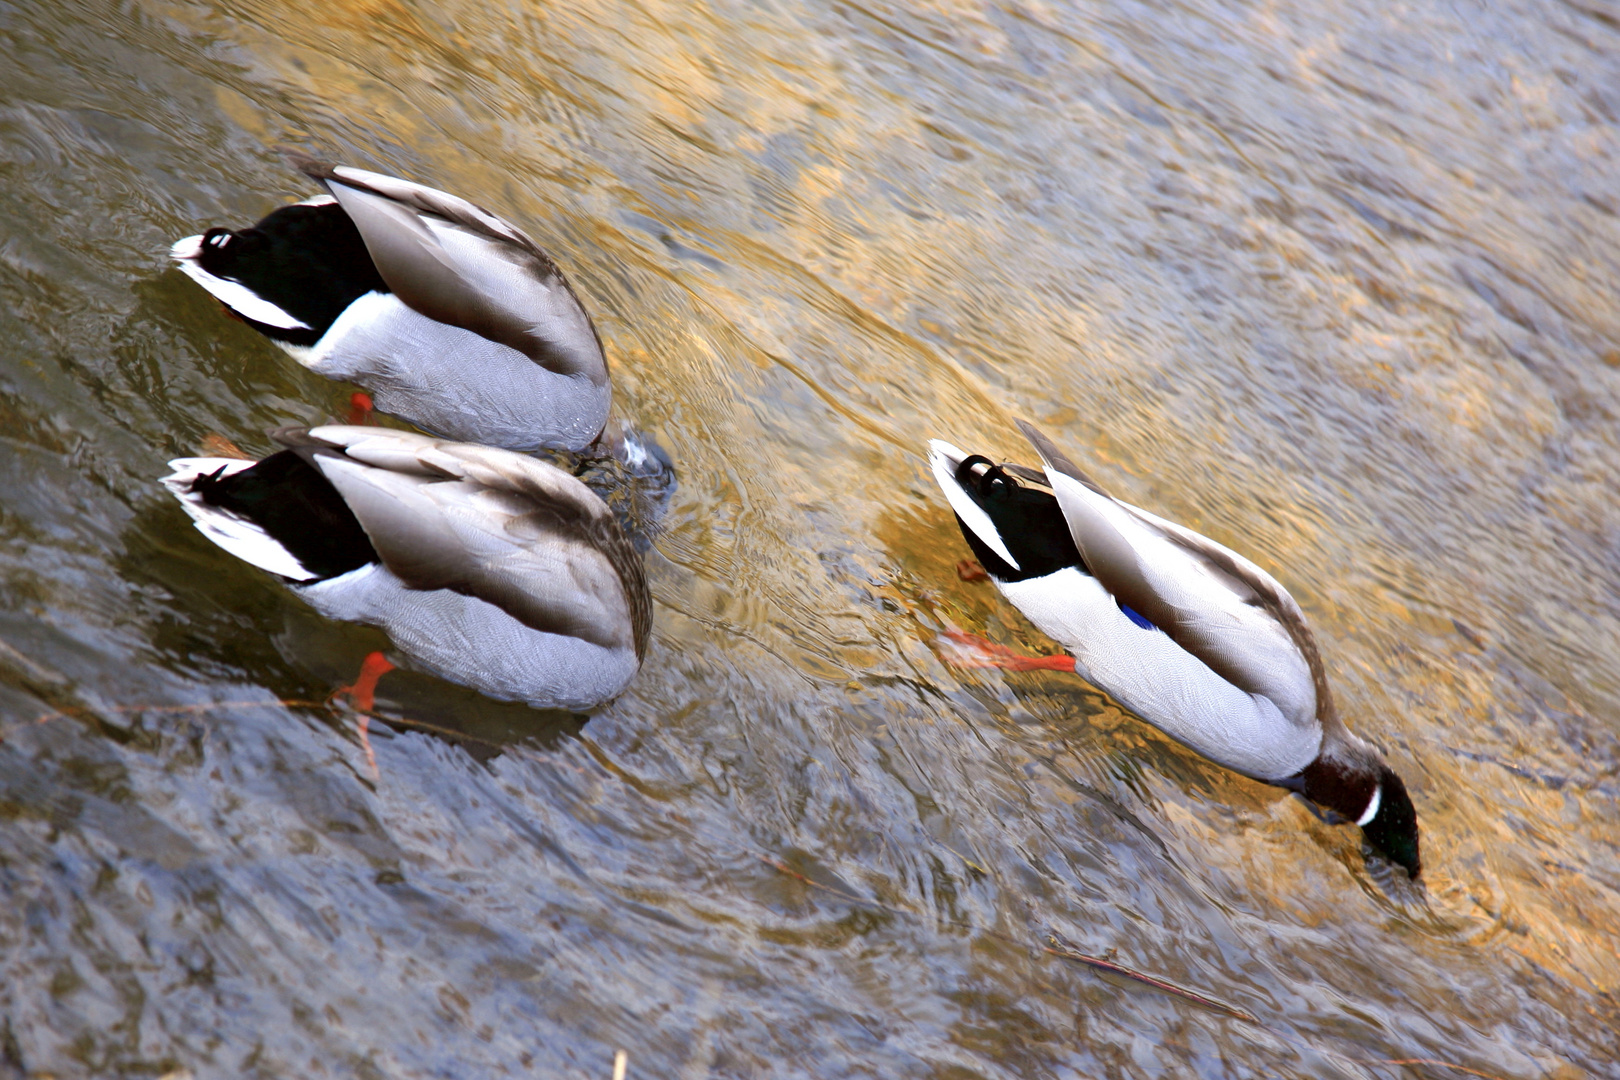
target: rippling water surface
<point>1334,283</point>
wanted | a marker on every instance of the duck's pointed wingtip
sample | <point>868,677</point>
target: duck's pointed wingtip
<point>1031,432</point>
<point>1044,446</point>
<point>345,435</point>
<point>1053,458</point>
<point>939,448</point>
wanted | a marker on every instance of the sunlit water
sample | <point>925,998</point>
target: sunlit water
<point>1332,283</point>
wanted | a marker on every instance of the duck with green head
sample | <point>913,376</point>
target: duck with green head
<point>1189,635</point>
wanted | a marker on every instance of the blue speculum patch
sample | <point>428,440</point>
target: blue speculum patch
<point>1130,613</point>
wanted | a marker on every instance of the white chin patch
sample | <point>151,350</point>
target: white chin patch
<point>317,200</point>
<point>189,248</point>
<point>1372,806</point>
<point>944,458</point>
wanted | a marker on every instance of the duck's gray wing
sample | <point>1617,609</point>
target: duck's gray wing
<point>456,263</point>
<point>1212,602</point>
<point>501,527</point>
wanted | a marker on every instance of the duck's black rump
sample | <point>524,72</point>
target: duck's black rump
<point>289,499</point>
<point>1026,516</point>
<point>309,261</point>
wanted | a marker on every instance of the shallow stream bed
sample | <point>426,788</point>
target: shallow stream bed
<point>1333,283</point>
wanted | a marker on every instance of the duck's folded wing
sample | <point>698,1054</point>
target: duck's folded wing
<point>425,199</point>
<point>1213,603</point>
<point>503,528</point>
<point>457,264</point>
<point>424,455</point>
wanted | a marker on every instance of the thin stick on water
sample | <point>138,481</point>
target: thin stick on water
<point>1059,948</point>
<point>621,1058</point>
<point>1054,949</point>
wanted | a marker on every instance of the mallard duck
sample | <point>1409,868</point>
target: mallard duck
<point>453,318</point>
<point>1187,634</point>
<point>487,568</point>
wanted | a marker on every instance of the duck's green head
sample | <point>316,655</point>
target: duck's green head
<point>1393,830</point>
<point>1353,782</point>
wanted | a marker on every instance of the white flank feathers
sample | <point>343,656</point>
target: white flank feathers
<point>1250,634</point>
<point>373,310</point>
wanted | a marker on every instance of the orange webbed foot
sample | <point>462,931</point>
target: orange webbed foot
<point>970,570</point>
<point>360,410</point>
<point>362,695</point>
<point>964,650</point>
<point>216,445</point>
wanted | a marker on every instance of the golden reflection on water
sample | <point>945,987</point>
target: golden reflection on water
<point>878,321</point>
<point>1357,339</point>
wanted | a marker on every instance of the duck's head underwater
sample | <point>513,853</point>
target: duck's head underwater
<point>1189,635</point>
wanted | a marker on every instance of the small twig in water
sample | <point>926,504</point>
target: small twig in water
<point>1060,948</point>
<point>1056,949</point>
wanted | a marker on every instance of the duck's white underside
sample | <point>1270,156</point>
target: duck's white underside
<point>453,382</point>
<point>1211,600</point>
<point>459,638</point>
<point>1160,681</point>
<point>474,643</point>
